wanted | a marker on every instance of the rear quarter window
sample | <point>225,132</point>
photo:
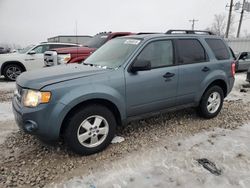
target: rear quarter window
<point>219,49</point>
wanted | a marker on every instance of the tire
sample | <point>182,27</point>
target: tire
<point>211,102</point>
<point>12,71</point>
<point>90,129</point>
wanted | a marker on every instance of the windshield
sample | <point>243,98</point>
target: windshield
<point>26,49</point>
<point>97,41</point>
<point>114,53</point>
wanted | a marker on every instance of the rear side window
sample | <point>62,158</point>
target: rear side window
<point>190,51</point>
<point>52,46</point>
<point>219,49</point>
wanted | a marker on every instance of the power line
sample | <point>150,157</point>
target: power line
<point>193,22</point>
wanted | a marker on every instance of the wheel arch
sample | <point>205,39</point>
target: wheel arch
<point>110,105</point>
<point>219,82</point>
<point>11,63</point>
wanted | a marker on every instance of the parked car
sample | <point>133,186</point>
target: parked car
<point>128,78</point>
<point>4,50</point>
<point>78,54</point>
<point>243,61</point>
<point>29,58</point>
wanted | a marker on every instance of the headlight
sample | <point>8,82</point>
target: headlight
<point>33,98</point>
<point>63,58</point>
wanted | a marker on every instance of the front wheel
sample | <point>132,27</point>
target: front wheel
<point>12,71</point>
<point>90,129</point>
<point>211,102</point>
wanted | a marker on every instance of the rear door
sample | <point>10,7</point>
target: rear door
<point>155,89</point>
<point>194,66</point>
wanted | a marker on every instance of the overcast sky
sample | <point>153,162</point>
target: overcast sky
<point>31,21</point>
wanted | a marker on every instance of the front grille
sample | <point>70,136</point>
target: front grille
<point>50,58</point>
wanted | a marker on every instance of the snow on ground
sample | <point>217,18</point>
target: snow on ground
<point>240,79</point>
<point>4,85</point>
<point>6,111</point>
<point>6,121</point>
<point>173,164</point>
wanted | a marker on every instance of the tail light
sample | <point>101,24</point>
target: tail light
<point>233,68</point>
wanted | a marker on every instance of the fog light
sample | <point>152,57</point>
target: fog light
<point>30,126</point>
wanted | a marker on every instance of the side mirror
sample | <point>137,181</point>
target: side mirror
<point>140,65</point>
<point>243,55</point>
<point>32,52</point>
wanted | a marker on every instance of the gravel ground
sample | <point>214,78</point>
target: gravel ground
<point>27,162</point>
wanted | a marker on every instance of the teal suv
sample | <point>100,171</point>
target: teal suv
<point>128,78</point>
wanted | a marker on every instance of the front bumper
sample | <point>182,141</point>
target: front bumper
<point>41,121</point>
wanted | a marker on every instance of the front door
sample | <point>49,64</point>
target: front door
<point>36,60</point>
<point>155,89</point>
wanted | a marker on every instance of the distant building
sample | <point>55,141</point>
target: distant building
<point>79,39</point>
<point>239,44</point>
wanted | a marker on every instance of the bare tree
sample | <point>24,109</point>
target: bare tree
<point>219,25</point>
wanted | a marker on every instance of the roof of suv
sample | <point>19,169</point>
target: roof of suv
<point>149,36</point>
<point>176,33</point>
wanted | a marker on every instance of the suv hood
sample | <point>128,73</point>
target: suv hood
<point>52,75</point>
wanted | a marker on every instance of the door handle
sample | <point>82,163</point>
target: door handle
<point>205,69</point>
<point>168,75</point>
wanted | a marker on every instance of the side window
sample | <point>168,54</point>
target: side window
<point>38,49</point>
<point>219,49</point>
<point>190,51</point>
<point>159,53</point>
<point>41,49</point>
<point>52,46</point>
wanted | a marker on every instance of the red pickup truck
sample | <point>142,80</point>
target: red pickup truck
<point>78,54</point>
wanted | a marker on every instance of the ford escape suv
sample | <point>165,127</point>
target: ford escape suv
<point>127,78</point>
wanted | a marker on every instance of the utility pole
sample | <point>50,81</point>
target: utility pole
<point>193,22</point>
<point>241,18</point>
<point>229,18</point>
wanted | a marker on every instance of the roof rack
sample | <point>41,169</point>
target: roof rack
<point>180,31</point>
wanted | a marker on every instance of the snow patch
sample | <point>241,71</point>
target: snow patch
<point>117,139</point>
<point>173,164</point>
<point>6,111</point>
<point>235,94</point>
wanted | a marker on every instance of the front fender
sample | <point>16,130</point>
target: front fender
<point>88,92</point>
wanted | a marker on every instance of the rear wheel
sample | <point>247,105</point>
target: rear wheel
<point>12,71</point>
<point>211,102</point>
<point>90,130</point>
